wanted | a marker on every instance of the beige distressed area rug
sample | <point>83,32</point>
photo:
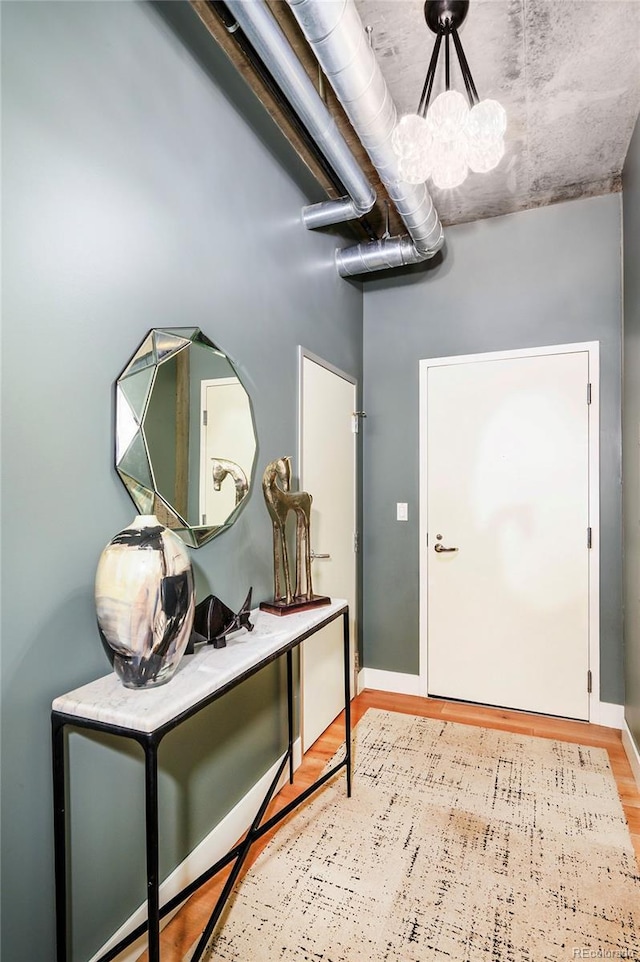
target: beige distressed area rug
<point>460,844</point>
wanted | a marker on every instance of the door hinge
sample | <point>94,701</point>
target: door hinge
<point>589,393</point>
<point>589,682</point>
<point>204,519</point>
<point>356,542</point>
<point>204,418</point>
<point>589,537</point>
<point>355,421</point>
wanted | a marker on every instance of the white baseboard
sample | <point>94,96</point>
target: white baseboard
<point>394,681</point>
<point>225,834</point>
<point>633,753</point>
<point>607,714</point>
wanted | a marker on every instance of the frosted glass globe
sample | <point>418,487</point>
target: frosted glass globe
<point>484,155</point>
<point>411,133</point>
<point>447,116</point>
<point>487,120</point>
<point>412,143</point>
<point>449,163</point>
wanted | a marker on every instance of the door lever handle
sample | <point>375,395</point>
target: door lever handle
<point>314,555</point>
<point>441,548</point>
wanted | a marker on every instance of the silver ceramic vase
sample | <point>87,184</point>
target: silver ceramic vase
<point>145,602</point>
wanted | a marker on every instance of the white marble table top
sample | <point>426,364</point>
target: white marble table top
<point>106,700</point>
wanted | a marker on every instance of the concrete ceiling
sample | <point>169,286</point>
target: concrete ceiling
<point>567,72</point>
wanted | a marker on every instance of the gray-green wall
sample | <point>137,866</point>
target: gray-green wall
<point>548,276</point>
<point>631,431</point>
<point>143,187</point>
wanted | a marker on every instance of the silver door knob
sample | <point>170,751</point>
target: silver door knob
<point>440,548</point>
<point>313,555</point>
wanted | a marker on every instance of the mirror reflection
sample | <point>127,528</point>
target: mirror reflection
<point>185,436</point>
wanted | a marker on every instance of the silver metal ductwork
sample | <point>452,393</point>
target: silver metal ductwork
<point>335,33</point>
<point>272,46</point>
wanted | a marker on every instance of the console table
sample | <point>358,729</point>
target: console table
<point>147,715</point>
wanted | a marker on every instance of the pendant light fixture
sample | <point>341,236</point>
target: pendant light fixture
<point>446,140</point>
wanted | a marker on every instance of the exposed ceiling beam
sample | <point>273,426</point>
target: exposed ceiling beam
<point>375,222</point>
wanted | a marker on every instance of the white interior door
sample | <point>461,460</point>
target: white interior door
<point>328,473</point>
<point>507,502</point>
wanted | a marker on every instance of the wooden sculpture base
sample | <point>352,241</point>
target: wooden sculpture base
<point>298,604</point>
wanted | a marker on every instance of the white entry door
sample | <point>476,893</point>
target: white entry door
<point>328,473</point>
<point>507,531</point>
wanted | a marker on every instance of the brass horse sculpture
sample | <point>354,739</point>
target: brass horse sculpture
<point>280,501</point>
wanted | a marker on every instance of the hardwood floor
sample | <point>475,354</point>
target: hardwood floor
<point>183,930</point>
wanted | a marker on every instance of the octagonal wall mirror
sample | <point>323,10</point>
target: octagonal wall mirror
<point>185,434</point>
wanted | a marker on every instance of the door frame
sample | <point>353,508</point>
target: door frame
<point>593,413</point>
<point>353,639</point>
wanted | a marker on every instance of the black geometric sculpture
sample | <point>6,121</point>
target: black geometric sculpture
<point>213,620</point>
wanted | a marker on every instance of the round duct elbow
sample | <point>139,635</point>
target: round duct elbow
<point>382,255</point>
<point>335,211</point>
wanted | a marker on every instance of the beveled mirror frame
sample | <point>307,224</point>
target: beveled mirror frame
<point>134,452</point>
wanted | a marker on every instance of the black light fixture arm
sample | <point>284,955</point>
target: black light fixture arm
<point>431,72</point>
<point>472,93</point>
<point>443,18</point>
<point>447,59</point>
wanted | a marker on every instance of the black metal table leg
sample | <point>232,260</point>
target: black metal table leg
<point>153,871</point>
<point>290,711</point>
<point>244,849</point>
<point>347,698</point>
<point>59,836</point>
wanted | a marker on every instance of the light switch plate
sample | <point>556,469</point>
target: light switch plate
<point>402,511</point>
